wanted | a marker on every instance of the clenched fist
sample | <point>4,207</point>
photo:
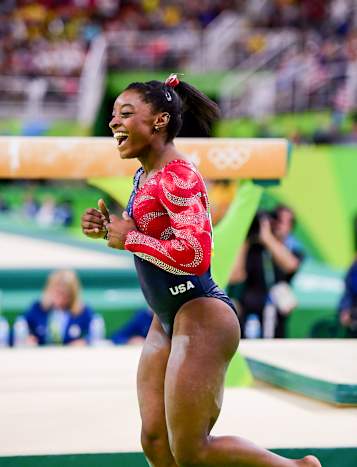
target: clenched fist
<point>118,230</point>
<point>94,221</point>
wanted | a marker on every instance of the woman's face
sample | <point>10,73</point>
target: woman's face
<point>61,297</point>
<point>132,124</point>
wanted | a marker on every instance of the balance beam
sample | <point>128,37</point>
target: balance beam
<point>87,157</point>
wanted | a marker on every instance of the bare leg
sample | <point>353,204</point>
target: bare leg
<point>150,386</point>
<point>206,335</point>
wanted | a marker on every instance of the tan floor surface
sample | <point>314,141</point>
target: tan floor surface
<point>63,400</point>
<point>17,251</point>
<point>333,360</point>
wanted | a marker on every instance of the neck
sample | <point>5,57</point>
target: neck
<point>159,154</point>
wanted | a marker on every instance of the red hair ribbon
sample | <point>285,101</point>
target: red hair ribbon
<point>172,81</point>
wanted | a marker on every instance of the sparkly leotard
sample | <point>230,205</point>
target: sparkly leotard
<point>172,245</point>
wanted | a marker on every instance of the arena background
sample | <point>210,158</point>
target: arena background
<point>277,69</point>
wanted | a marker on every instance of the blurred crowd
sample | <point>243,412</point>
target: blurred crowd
<point>46,213</point>
<point>51,38</point>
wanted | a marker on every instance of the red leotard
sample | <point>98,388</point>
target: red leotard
<point>171,213</point>
<point>172,245</point>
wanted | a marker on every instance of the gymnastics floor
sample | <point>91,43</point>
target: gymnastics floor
<point>325,369</point>
<point>77,407</point>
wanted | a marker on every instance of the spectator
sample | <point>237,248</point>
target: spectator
<point>45,216</point>
<point>4,206</point>
<point>267,262</point>
<point>64,213</point>
<point>60,317</point>
<point>30,206</point>
<point>135,330</point>
<point>347,308</point>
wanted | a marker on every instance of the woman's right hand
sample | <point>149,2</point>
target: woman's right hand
<point>94,221</point>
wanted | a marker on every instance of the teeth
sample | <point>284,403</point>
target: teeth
<point>120,134</point>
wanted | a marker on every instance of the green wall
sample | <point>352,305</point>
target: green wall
<point>321,187</point>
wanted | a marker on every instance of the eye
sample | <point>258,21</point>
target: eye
<point>126,114</point>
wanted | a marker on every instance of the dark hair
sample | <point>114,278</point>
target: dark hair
<point>284,207</point>
<point>176,101</point>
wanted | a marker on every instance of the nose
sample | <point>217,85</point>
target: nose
<point>113,124</point>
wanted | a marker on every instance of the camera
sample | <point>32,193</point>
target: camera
<point>254,229</point>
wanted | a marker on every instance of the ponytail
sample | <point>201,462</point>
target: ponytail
<point>204,110</point>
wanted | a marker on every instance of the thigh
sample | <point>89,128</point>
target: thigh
<point>150,380</point>
<point>206,336</point>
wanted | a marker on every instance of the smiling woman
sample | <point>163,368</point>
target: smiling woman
<point>195,331</point>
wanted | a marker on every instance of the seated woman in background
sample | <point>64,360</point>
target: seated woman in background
<point>59,317</point>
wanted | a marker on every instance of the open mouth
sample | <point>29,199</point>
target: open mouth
<point>121,138</point>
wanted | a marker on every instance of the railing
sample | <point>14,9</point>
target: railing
<point>267,83</point>
<point>92,82</point>
<point>49,97</point>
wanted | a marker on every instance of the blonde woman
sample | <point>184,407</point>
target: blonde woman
<point>60,317</point>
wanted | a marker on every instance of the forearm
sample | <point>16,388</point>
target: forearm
<point>284,258</point>
<point>239,272</point>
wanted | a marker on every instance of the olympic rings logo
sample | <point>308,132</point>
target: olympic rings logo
<point>228,157</point>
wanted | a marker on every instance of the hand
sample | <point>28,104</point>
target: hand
<point>118,230</point>
<point>345,318</point>
<point>94,220</point>
<point>265,232</point>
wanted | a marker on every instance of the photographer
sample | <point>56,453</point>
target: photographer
<point>265,265</point>
<point>348,304</point>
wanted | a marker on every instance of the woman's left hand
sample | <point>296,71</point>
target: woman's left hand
<point>118,230</point>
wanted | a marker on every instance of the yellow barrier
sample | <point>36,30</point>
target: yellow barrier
<point>86,157</point>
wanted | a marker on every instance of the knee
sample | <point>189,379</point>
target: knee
<point>188,453</point>
<point>155,445</point>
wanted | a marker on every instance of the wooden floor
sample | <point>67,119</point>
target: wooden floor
<point>62,400</point>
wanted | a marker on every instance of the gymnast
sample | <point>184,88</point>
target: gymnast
<point>195,330</point>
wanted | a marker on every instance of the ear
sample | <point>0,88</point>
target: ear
<point>162,120</point>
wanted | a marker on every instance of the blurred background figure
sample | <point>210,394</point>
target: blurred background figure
<point>59,317</point>
<point>135,330</point>
<point>348,305</point>
<point>264,267</point>
<point>30,206</point>
<point>347,308</point>
<point>4,206</point>
<point>45,216</point>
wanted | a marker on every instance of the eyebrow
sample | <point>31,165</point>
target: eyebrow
<point>127,105</point>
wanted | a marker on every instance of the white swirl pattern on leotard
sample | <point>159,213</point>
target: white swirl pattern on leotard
<point>142,198</point>
<point>177,245</point>
<point>166,233</point>
<point>188,219</point>
<point>185,185</point>
<point>147,218</point>
<point>195,244</point>
<point>178,200</point>
<point>135,238</point>
<point>161,264</point>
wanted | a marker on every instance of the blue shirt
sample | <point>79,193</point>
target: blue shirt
<point>349,297</point>
<point>54,326</point>
<point>137,326</point>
